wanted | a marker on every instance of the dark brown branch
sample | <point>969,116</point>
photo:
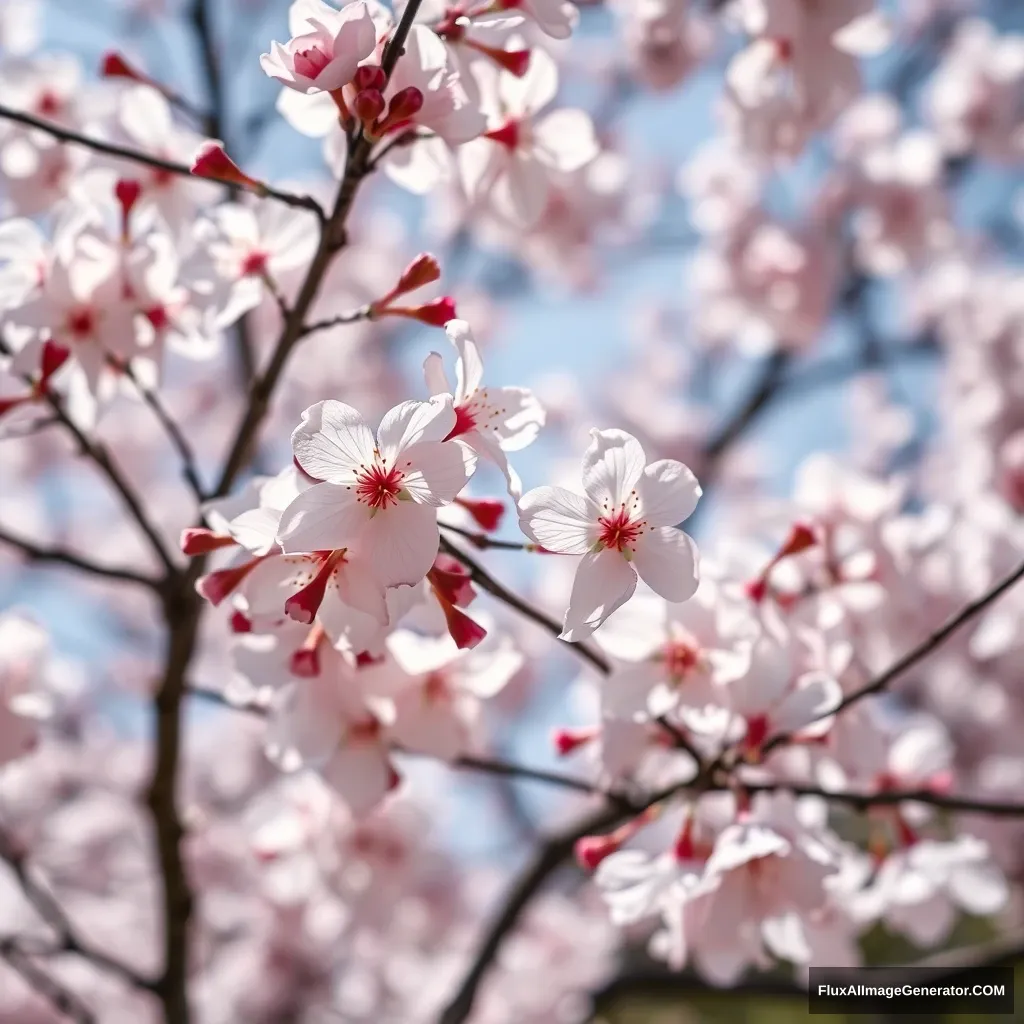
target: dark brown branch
<point>183,607</point>
<point>38,553</point>
<point>138,157</point>
<point>363,313</point>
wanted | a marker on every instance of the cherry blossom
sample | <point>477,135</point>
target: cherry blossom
<point>23,701</point>
<point>325,49</point>
<point>380,494</point>
<point>624,526</point>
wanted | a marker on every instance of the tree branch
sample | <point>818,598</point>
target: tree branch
<point>62,999</point>
<point>918,653</point>
<point>183,607</point>
<point>37,553</point>
<point>479,575</point>
<point>138,157</point>
<point>53,914</point>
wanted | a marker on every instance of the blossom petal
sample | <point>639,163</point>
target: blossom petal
<point>669,493</point>
<point>435,471</point>
<point>667,562</point>
<point>324,518</point>
<point>361,774</point>
<point>604,581</point>
<point>332,442</point>
<point>412,422</point>
<point>434,375</point>
<point>402,542</point>
<point>557,519</point>
<point>470,368</point>
<point>612,465</point>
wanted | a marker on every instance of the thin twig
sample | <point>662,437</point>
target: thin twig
<point>53,914</point>
<point>174,433</point>
<point>61,998</point>
<point>38,553</point>
<point>918,653</point>
<point>138,157</point>
<point>479,575</point>
<point>484,543</point>
<point>363,313</point>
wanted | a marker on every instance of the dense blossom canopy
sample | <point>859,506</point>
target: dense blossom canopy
<point>265,693</point>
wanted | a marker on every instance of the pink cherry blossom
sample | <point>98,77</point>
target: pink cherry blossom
<point>325,49</point>
<point>379,494</point>
<point>624,526</point>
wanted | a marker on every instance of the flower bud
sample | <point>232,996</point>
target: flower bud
<point>436,313</point>
<point>368,106</point>
<point>369,76</point>
<point>212,162</point>
<point>487,512</point>
<point>423,270</point>
<point>114,65</point>
<point>198,540</point>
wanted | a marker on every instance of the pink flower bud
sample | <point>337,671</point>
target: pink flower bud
<point>369,76</point>
<point>591,850</point>
<point>198,540</point>
<point>436,313</point>
<point>406,103</point>
<point>115,66</point>
<point>567,741</point>
<point>212,162</point>
<point>423,270</point>
<point>368,106</point>
<point>450,581</point>
<point>486,511</point>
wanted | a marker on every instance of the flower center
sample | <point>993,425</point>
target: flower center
<point>507,135</point>
<point>309,63</point>
<point>254,263</point>
<point>619,530</point>
<point>81,322</point>
<point>465,421</point>
<point>680,658</point>
<point>377,486</point>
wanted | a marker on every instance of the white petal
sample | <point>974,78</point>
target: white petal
<point>557,519</point>
<point>434,375</point>
<point>401,543</point>
<point>612,465</point>
<point>332,442</point>
<point>865,36</point>
<point>566,140</point>
<point>816,698</point>
<point>669,493</point>
<point>470,368</point>
<point>361,775</point>
<point>667,561</point>
<point>324,518</point>
<point>604,581</point>
<point>411,422</point>
<point>435,471</point>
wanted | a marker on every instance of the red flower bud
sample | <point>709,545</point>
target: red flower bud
<point>369,76</point>
<point>486,511</point>
<point>239,623</point>
<point>436,313</point>
<point>53,358</point>
<point>368,106</point>
<point>127,191</point>
<point>517,62</point>
<point>115,66</point>
<point>591,850</point>
<point>423,270</point>
<point>212,162</point>
<point>466,632</point>
<point>567,741</point>
<point>404,104</point>
<point>198,540</point>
